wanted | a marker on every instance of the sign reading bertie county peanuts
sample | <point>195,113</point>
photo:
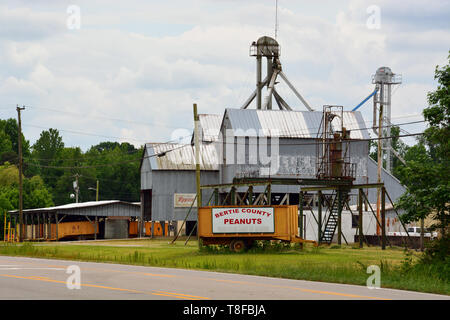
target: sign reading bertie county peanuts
<point>243,220</point>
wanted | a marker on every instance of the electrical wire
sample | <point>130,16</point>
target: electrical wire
<point>103,117</point>
<point>183,146</point>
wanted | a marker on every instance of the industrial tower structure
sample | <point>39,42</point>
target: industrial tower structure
<point>269,48</point>
<point>384,79</point>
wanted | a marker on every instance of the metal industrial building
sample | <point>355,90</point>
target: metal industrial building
<point>110,218</point>
<point>260,143</point>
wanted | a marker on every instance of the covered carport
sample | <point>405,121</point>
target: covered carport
<point>106,219</point>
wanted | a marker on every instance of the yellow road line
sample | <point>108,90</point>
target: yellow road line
<point>153,274</point>
<point>167,294</point>
<point>296,288</point>
<point>231,281</point>
<point>172,296</point>
<point>181,294</point>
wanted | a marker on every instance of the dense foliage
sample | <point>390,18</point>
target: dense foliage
<point>50,168</point>
<point>427,174</point>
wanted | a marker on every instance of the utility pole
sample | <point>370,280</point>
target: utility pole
<point>380,161</point>
<point>76,187</point>
<point>19,140</point>
<point>197,167</point>
<point>96,191</point>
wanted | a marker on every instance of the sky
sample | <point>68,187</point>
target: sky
<point>100,70</point>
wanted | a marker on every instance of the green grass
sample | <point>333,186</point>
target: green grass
<point>329,264</point>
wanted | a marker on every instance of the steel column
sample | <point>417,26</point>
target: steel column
<point>360,220</point>
<point>383,218</point>
<point>319,223</point>
<point>339,195</point>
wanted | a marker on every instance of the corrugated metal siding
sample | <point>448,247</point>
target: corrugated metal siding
<point>170,182</point>
<point>290,124</point>
<point>243,120</point>
<point>210,126</point>
<point>146,172</point>
<point>181,157</point>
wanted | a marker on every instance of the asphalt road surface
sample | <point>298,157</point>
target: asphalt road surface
<point>30,278</point>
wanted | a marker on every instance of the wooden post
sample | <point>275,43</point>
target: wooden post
<point>360,220</point>
<point>300,217</point>
<point>216,196</point>
<point>49,226</point>
<point>197,166</point>
<point>319,222</point>
<point>233,196</point>
<point>422,226</point>
<point>383,218</point>
<point>379,159</point>
<point>269,194</point>
<point>39,226</point>
<point>19,141</point>
<point>57,224</point>
<point>250,195</point>
<point>95,228</point>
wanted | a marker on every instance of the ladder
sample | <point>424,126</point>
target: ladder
<point>332,221</point>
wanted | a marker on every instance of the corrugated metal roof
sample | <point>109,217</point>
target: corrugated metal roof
<point>79,205</point>
<point>210,126</point>
<point>290,124</point>
<point>181,156</point>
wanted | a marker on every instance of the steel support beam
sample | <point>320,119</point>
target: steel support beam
<point>360,218</point>
<point>319,218</point>
<point>282,75</point>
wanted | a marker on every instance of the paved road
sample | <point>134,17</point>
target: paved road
<point>29,278</point>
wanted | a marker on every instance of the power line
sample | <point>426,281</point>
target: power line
<point>183,146</point>
<point>105,118</point>
<point>83,156</point>
<point>85,133</point>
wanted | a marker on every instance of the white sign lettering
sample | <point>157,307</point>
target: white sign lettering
<point>243,220</point>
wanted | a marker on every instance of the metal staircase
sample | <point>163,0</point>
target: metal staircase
<point>332,221</point>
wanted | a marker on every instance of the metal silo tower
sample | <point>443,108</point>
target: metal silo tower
<point>267,47</point>
<point>384,79</point>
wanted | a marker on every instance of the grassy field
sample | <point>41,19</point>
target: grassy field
<point>330,264</point>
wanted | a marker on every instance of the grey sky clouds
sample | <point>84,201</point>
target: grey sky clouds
<point>147,62</point>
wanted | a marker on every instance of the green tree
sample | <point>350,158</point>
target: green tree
<point>46,152</point>
<point>427,176</point>
<point>9,130</point>
<point>117,169</point>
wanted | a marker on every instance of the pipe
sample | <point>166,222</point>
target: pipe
<point>364,101</point>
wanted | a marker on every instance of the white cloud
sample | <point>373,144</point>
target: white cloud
<point>122,65</point>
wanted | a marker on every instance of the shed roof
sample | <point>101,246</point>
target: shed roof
<point>289,124</point>
<point>74,208</point>
<point>210,126</point>
<point>173,156</point>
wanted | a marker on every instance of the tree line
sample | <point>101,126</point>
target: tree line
<point>49,170</point>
